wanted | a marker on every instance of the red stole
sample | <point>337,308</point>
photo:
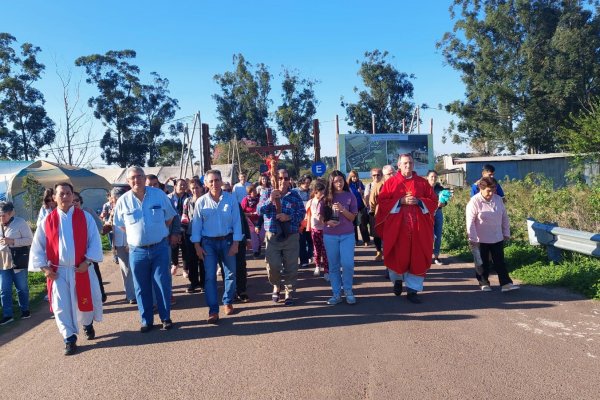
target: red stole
<point>82,279</point>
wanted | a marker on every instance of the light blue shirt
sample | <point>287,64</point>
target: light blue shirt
<point>214,219</point>
<point>239,191</point>
<point>145,221</point>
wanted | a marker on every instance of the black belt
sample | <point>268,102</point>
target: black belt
<point>147,246</point>
<point>229,236</point>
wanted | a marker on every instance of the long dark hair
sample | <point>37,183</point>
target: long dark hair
<point>329,193</point>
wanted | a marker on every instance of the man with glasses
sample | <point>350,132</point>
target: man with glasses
<point>216,233</point>
<point>283,211</point>
<point>145,214</point>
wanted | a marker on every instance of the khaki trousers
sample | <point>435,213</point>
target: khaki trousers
<point>282,260</point>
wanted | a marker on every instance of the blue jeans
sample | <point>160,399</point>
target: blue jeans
<point>438,224</point>
<point>216,250</point>
<point>340,255</point>
<point>19,278</point>
<point>150,269</point>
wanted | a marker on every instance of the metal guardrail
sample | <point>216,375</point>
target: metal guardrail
<point>557,238</point>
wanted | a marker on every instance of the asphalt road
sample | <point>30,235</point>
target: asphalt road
<point>461,343</point>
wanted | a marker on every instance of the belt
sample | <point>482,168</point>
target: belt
<point>220,237</point>
<point>148,246</point>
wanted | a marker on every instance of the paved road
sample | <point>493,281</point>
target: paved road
<point>459,344</point>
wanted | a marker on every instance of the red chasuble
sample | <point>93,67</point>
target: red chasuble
<point>408,234</point>
<point>82,279</point>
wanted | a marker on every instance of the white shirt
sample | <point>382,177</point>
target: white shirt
<point>66,243</point>
<point>239,191</point>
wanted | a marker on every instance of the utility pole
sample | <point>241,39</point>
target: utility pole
<point>337,142</point>
<point>205,149</point>
<point>373,123</point>
<point>317,140</point>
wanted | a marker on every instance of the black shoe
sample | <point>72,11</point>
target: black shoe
<point>89,331</point>
<point>191,289</point>
<point>6,320</point>
<point>256,255</point>
<point>70,348</point>
<point>413,297</point>
<point>243,297</point>
<point>104,297</point>
<point>145,328</point>
<point>133,301</point>
<point>25,314</point>
<point>167,324</point>
<point>398,287</point>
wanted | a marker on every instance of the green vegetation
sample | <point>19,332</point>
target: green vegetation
<point>575,206</point>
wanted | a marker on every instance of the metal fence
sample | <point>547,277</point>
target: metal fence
<point>556,239</point>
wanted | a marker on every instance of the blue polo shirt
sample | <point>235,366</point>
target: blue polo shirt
<point>214,219</point>
<point>144,221</point>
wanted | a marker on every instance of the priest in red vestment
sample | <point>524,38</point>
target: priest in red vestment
<point>407,205</point>
<point>65,243</point>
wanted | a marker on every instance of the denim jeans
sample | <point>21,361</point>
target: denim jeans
<point>217,250</point>
<point>150,269</point>
<point>306,247</point>
<point>19,278</point>
<point>438,224</point>
<point>340,255</point>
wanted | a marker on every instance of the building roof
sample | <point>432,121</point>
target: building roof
<point>522,157</point>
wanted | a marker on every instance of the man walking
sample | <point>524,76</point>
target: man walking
<point>64,246</point>
<point>216,233</point>
<point>283,211</point>
<point>145,214</point>
<point>404,218</point>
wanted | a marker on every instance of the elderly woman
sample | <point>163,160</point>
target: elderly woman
<point>16,235</point>
<point>487,229</point>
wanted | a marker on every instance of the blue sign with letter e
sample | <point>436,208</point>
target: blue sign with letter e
<point>318,168</point>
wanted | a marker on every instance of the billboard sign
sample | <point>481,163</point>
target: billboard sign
<point>361,152</point>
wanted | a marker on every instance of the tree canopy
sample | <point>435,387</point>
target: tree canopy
<point>527,65</point>
<point>243,104</point>
<point>295,115</point>
<point>387,94</point>
<point>24,125</point>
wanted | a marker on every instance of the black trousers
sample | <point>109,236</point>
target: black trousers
<point>241,273</point>
<point>496,250</point>
<point>306,247</point>
<point>175,254</point>
<point>99,275</point>
<point>195,266</point>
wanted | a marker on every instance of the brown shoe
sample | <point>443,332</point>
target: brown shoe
<point>213,318</point>
<point>229,309</point>
<point>378,256</point>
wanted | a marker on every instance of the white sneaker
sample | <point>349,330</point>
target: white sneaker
<point>326,276</point>
<point>317,271</point>
<point>334,300</point>
<point>509,286</point>
<point>350,299</point>
<point>437,261</point>
<point>486,288</point>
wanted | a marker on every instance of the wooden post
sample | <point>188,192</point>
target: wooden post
<point>418,120</point>
<point>373,123</point>
<point>337,142</point>
<point>269,137</point>
<point>317,139</point>
<point>183,142</point>
<point>431,126</point>
<point>205,148</point>
<point>201,152</point>
<point>403,125</point>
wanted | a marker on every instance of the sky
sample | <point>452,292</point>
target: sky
<point>189,42</point>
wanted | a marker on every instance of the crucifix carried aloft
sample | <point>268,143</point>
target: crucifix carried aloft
<point>271,154</point>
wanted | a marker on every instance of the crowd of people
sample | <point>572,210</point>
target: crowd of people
<point>209,225</point>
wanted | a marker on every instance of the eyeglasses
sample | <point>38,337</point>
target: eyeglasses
<point>284,178</point>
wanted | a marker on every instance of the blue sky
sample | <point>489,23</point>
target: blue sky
<point>189,42</point>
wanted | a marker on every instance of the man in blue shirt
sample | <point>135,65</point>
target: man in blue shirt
<point>145,214</point>
<point>487,171</point>
<point>281,227</point>
<point>216,233</point>
<point>239,189</point>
